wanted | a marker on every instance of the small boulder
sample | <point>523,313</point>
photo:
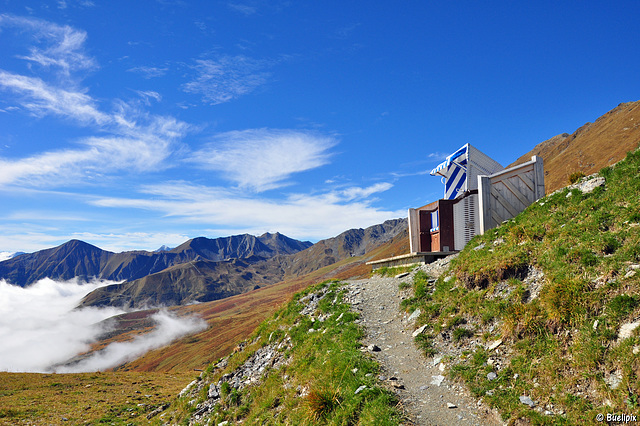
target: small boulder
<point>527,401</point>
<point>414,315</point>
<point>614,379</point>
<point>419,330</point>
<point>437,380</point>
<point>626,330</point>
<point>494,345</point>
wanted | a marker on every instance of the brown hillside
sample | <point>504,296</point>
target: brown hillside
<point>232,319</point>
<point>590,148</point>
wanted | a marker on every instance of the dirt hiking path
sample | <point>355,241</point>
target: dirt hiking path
<point>428,396</point>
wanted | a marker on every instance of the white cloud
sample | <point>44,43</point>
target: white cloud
<point>44,169</point>
<point>149,72</point>
<point>242,8</point>
<point>137,141</point>
<point>4,255</point>
<point>43,215</point>
<point>106,154</point>
<point>302,216</point>
<point>226,78</point>
<point>357,192</point>
<point>147,95</point>
<point>438,156</point>
<point>59,47</point>
<point>168,329</point>
<point>41,99</point>
<point>131,140</point>
<point>261,159</point>
<point>40,328</point>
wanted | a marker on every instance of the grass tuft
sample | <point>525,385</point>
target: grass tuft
<point>575,177</point>
<point>321,403</point>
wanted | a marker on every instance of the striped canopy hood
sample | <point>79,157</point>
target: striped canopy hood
<point>460,170</point>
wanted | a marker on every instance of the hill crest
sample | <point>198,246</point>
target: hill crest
<point>590,148</point>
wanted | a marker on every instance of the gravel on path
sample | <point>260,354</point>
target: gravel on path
<point>428,396</point>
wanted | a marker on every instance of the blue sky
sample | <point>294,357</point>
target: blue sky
<point>131,125</point>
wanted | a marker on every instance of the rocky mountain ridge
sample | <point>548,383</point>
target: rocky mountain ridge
<point>78,259</point>
<point>203,280</point>
<point>199,270</point>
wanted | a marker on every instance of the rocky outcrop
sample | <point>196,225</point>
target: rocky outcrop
<point>249,373</point>
<point>272,356</point>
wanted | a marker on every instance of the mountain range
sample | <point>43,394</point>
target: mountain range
<point>199,270</point>
<point>77,259</point>
<point>203,279</point>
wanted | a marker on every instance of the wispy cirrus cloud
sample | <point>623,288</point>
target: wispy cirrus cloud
<point>133,147</point>
<point>353,193</point>
<point>305,216</point>
<point>127,138</point>
<point>227,77</point>
<point>244,9</point>
<point>58,47</point>
<point>63,4</point>
<point>148,95</point>
<point>41,99</point>
<point>262,159</point>
<point>46,168</point>
<point>149,72</point>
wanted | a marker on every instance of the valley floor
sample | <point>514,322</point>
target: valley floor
<point>418,381</point>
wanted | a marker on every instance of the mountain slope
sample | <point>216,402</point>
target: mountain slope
<point>590,148</point>
<point>238,247</point>
<point>354,242</point>
<point>193,281</point>
<point>232,319</point>
<point>72,259</point>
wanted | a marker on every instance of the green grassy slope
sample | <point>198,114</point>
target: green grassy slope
<point>555,284</point>
<point>315,372</point>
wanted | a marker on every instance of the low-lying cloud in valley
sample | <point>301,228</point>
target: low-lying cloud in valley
<point>40,329</point>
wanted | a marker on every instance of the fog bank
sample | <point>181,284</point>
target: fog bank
<point>39,328</point>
